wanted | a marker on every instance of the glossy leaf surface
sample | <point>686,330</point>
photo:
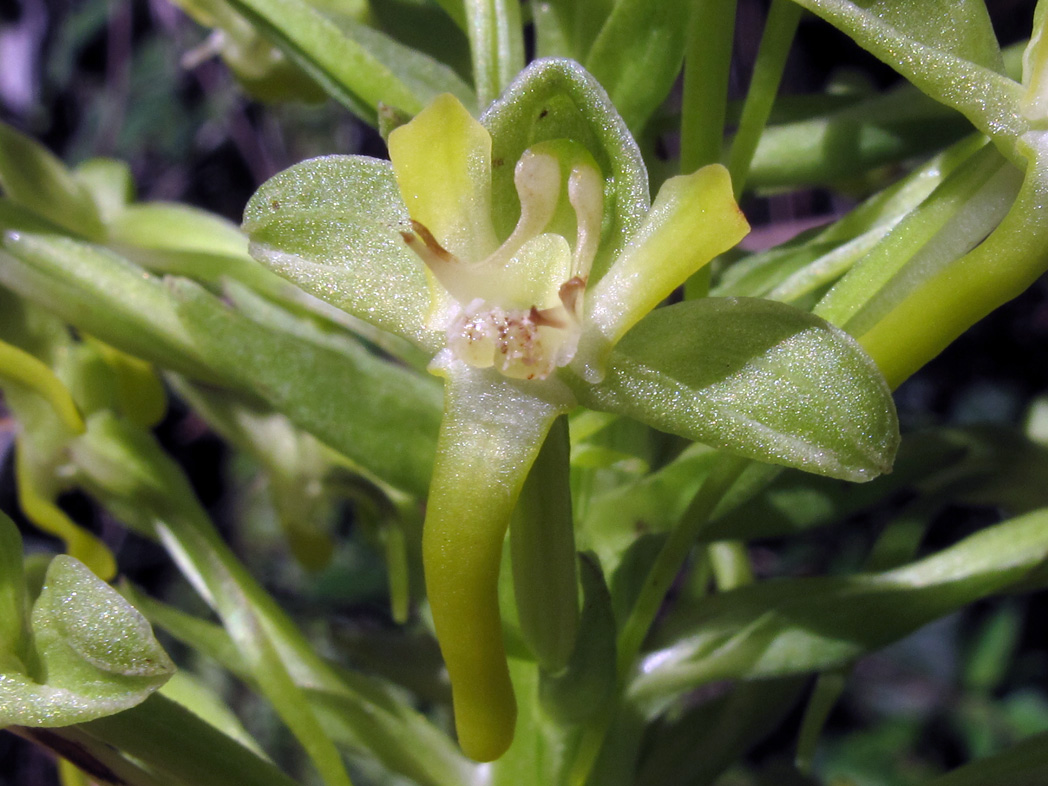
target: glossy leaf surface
<point>756,378</point>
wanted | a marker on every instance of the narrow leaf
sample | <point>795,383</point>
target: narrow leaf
<point>638,54</point>
<point>794,626</point>
<point>377,413</point>
<point>33,177</point>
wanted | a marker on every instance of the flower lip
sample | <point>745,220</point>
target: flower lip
<point>520,309</point>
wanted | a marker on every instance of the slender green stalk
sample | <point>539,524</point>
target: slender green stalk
<point>496,42</point>
<point>828,688</point>
<point>707,66</point>
<point>672,556</point>
<point>779,30</point>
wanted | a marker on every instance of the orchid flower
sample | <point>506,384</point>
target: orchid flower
<point>518,251</point>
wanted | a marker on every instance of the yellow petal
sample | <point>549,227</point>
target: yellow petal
<point>442,162</point>
<point>694,219</point>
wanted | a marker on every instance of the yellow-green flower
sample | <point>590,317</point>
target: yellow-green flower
<point>512,312</point>
<point>516,252</point>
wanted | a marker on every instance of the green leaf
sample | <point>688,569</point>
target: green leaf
<point>174,227</point>
<point>558,99</point>
<point>637,55</point>
<point>360,68</point>
<point>332,226</point>
<point>97,655</point>
<point>123,466</point>
<point>378,414</point>
<point>359,712</point>
<point>794,626</point>
<point>110,183</point>
<point>1025,764</point>
<point>696,747</point>
<point>956,217</point>
<point>958,64</point>
<point>14,629</point>
<point>568,28</point>
<point>183,748</point>
<point>758,379</point>
<point>104,295</point>
<point>34,178</point>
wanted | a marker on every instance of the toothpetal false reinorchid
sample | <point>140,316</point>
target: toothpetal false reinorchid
<point>516,262</point>
<point>513,314</point>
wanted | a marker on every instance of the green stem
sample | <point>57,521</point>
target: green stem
<point>779,30</point>
<point>496,43</point>
<point>707,66</point>
<point>672,556</point>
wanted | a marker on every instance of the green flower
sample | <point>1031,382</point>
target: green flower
<point>517,252</point>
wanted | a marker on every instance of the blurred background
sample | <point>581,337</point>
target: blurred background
<point>136,80</point>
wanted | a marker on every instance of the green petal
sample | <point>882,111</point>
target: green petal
<point>442,162</point>
<point>332,226</point>
<point>694,219</point>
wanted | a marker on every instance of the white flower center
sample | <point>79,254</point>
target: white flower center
<point>520,309</point>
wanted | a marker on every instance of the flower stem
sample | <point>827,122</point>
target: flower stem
<point>672,556</point>
<point>779,29</point>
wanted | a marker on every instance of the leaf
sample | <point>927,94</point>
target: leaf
<point>568,28</point>
<point>1025,764</point>
<point>957,64</point>
<point>104,295</point>
<point>755,378</point>
<point>174,227</point>
<point>793,626</point>
<point>184,748</point>
<point>110,184</point>
<point>638,54</point>
<point>558,99</point>
<point>379,414</point>
<point>36,179</point>
<point>332,226</point>
<point>358,712</point>
<point>14,629</point>
<point>97,655</point>
<point>359,68</point>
